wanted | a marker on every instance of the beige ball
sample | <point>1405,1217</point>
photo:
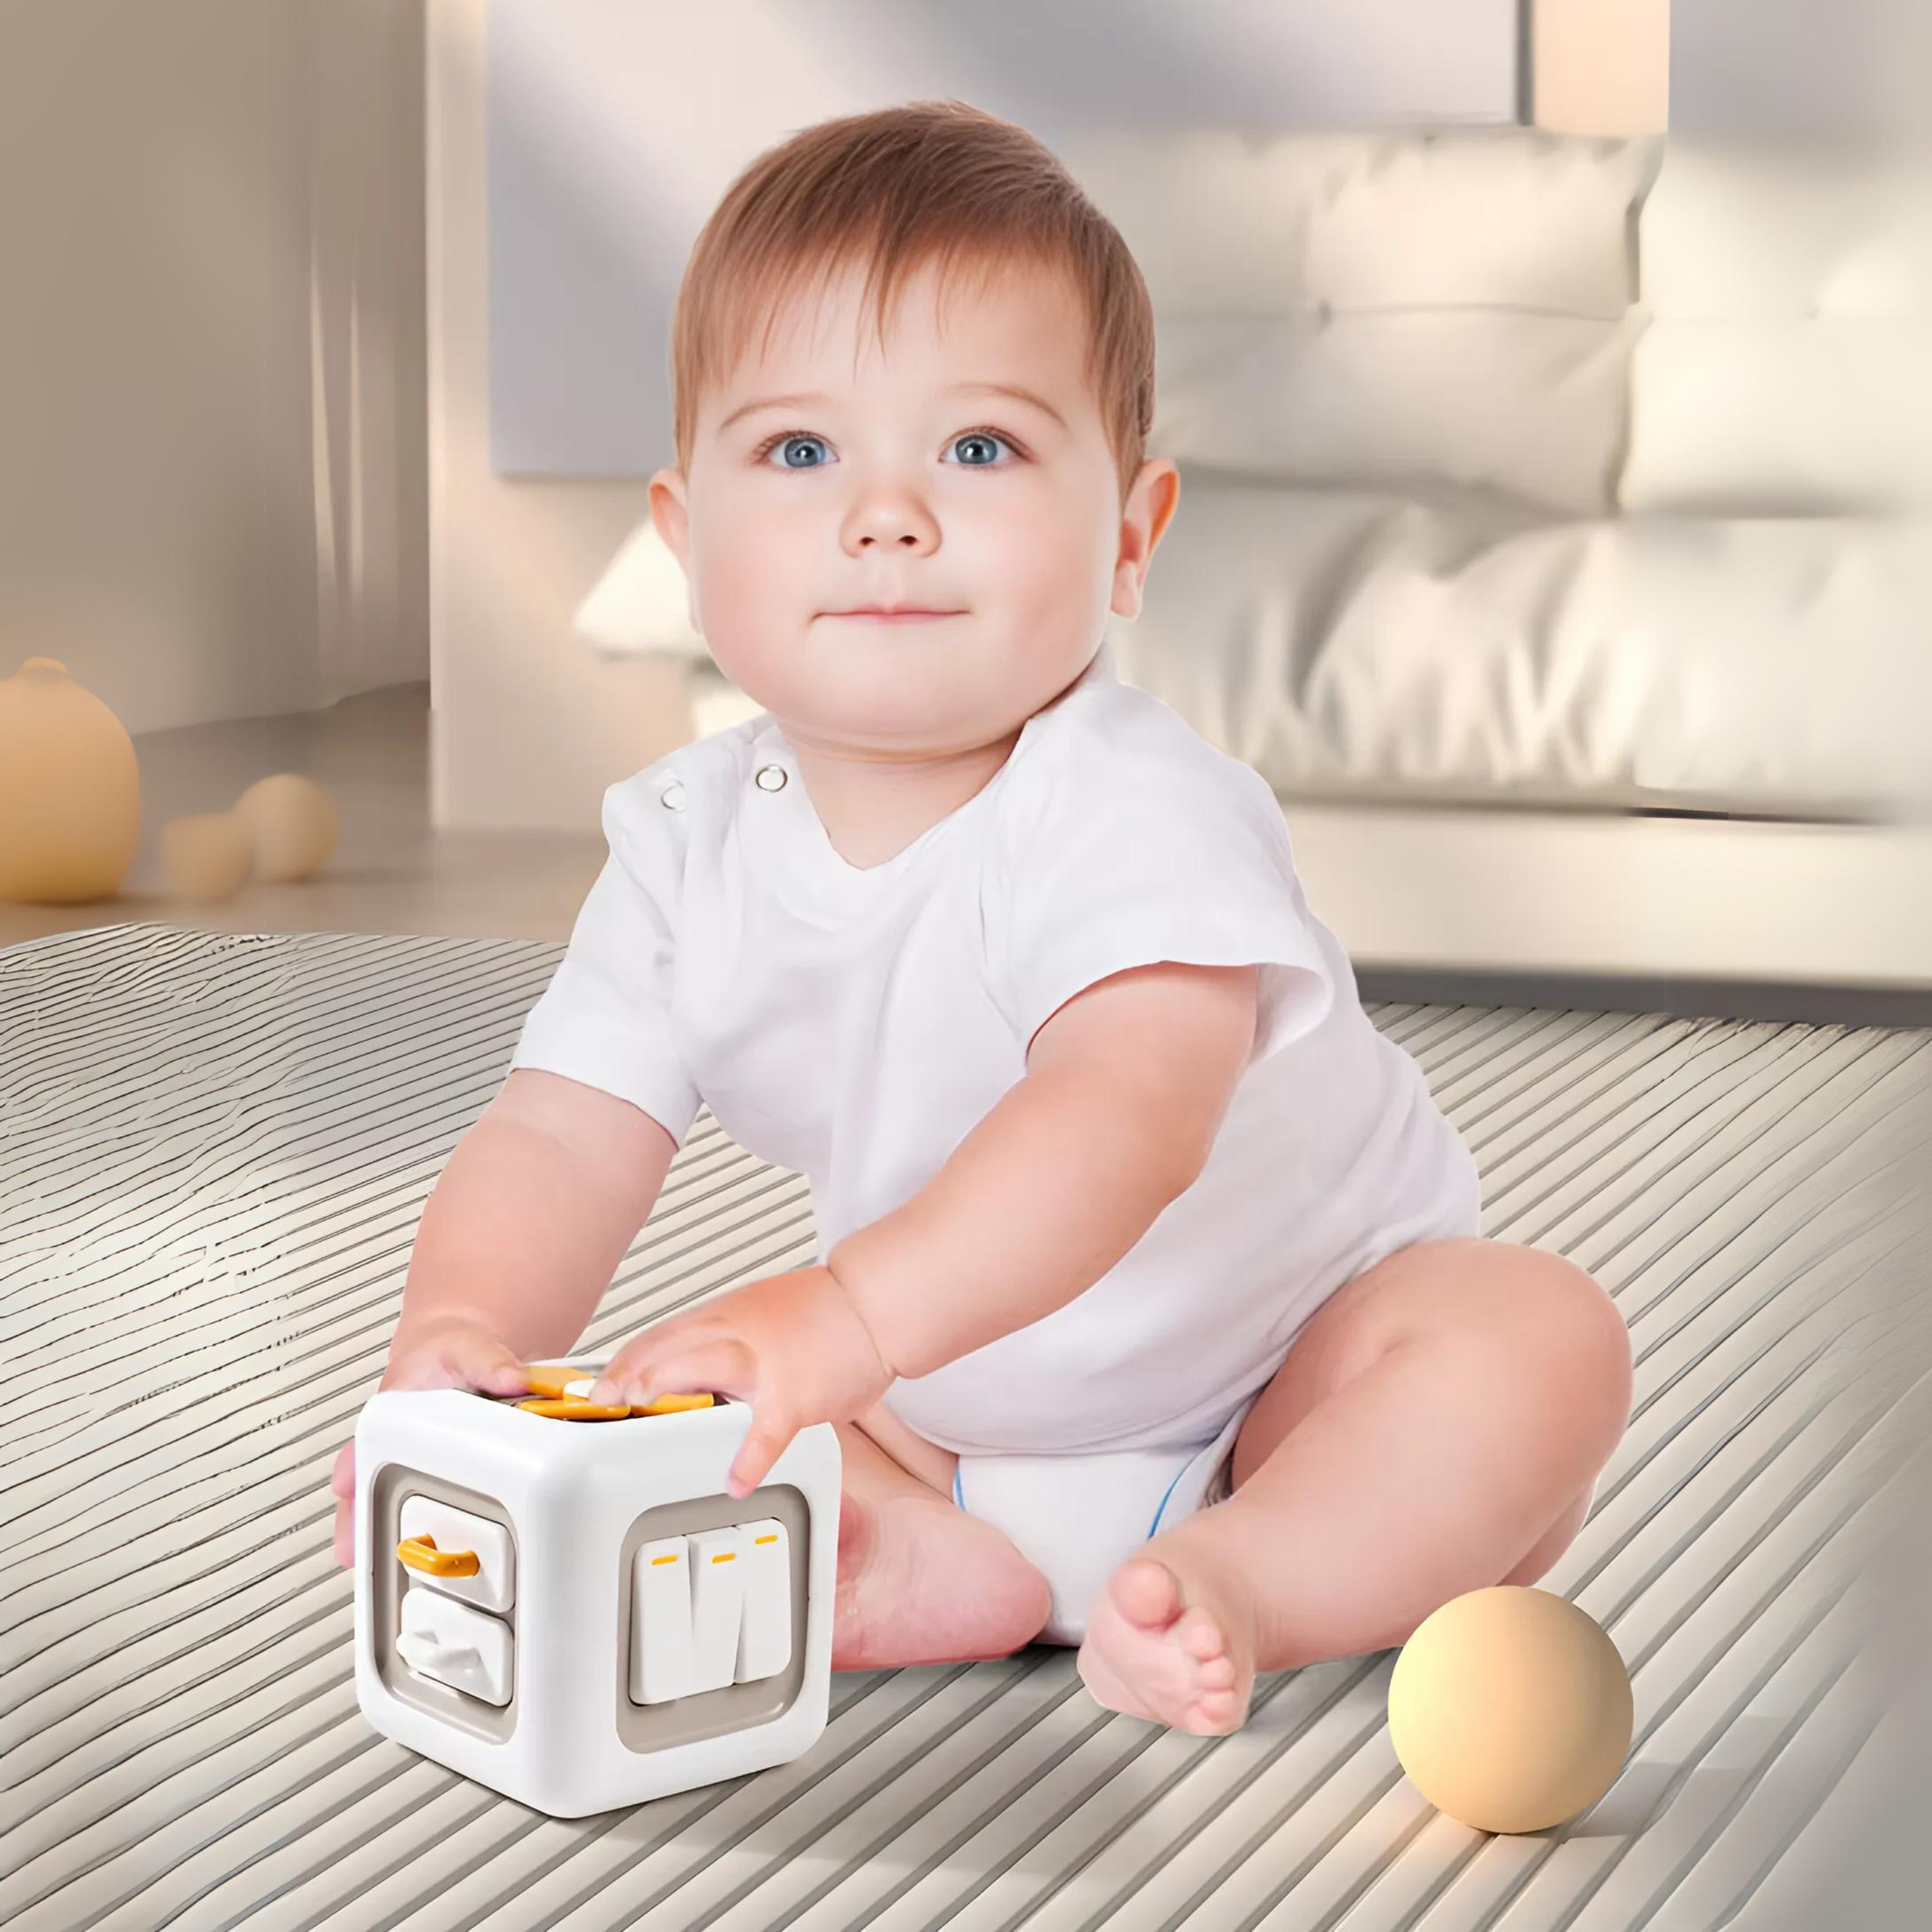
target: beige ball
<point>206,857</point>
<point>1510,1709</point>
<point>293,824</point>
<point>70,790</point>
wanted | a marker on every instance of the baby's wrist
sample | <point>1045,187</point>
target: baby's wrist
<point>853,1315</point>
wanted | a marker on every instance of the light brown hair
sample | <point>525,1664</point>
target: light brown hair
<point>899,188</point>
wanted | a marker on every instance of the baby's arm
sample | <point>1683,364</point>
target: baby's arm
<point>1125,1090</point>
<point>534,1210</point>
<point>520,1234</point>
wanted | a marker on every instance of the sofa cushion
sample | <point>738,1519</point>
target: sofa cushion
<point>1787,367</point>
<point>1446,308</point>
<point>1351,644</point>
<point>1531,407</point>
<point>1227,223</point>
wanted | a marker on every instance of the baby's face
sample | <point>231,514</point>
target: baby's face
<point>893,480</point>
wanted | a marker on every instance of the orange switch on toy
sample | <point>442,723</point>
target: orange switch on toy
<point>420,1552</point>
<point>549,1378</point>
<point>551,1383</point>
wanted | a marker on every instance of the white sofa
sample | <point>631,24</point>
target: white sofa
<point>1586,479</point>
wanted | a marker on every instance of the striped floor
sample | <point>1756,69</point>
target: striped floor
<point>213,1150</point>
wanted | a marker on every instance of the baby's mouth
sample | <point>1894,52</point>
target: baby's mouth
<point>892,617</point>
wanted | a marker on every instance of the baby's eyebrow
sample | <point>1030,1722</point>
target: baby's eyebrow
<point>804,397</point>
<point>1012,389</point>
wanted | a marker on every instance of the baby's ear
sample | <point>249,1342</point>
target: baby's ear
<point>669,515</point>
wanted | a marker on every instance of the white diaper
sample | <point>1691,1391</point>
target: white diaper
<point>1077,1516</point>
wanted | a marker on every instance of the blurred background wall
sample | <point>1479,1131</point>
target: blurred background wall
<point>213,497</point>
<point>1799,70</point>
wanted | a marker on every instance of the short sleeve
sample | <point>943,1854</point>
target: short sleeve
<point>1161,852</point>
<point>604,1019</point>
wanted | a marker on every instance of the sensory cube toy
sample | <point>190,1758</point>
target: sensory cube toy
<point>564,1604</point>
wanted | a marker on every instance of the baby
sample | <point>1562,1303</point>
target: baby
<point>1150,1304</point>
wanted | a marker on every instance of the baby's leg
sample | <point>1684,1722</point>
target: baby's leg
<point>919,1580</point>
<point>1435,1429</point>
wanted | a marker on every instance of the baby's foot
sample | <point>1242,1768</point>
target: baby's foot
<point>921,1581</point>
<point>1180,1653</point>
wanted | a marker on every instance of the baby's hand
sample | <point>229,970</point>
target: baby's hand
<point>443,1352</point>
<point>793,1346</point>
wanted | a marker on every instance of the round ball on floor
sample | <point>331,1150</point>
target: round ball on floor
<point>1510,1709</point>
<point>292,824</point>
<point>204,858</point>
<point>70,790</point>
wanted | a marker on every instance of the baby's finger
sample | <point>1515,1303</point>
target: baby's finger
<point>671,1335</point>
<point>493,1367</point>
<point>342,1478</point>
<point>644,1370</point>
<point>764,1443</point>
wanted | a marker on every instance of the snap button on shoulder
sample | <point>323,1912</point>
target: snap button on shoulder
<point>771,778</point>
<point>672,797</point>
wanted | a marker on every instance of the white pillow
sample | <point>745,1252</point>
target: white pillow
<point>1788,368</point>
<point>1427,306</point>
<point>1781,417</point>
<point>1733,230</point>
<point>639,605</point>
<point>1503,217</point>
<point>1232,224</point>
<point>1532,407</point>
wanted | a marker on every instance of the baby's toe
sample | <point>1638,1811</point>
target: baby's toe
<point>1200,1634</point>
<point>1217,1713</point>
<point>1147,1593</point>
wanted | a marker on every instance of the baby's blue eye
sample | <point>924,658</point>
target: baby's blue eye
<point>784,444</point>
<point>978,436</point>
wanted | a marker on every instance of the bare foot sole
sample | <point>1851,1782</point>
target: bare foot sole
<point>1151,1653</point>
<point>921,1581</point>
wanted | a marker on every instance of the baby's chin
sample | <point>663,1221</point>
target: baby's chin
<point>892,713</point>
<point>887,739</point>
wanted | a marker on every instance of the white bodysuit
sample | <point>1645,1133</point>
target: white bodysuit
<point>854,1024</point>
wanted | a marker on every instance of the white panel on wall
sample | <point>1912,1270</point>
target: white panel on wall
<point>614,128</point>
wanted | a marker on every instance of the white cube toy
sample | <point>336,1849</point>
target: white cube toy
<point>576,1613</point>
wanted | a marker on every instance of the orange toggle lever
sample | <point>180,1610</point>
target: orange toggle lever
<point>420,1552</point>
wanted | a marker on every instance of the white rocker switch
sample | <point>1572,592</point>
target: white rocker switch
<point>764,1628</point>
<point>465,1649</point>
<point>660,1635</point>
<point>717,1601</point>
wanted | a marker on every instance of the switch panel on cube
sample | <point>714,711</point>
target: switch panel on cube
<point>710,1609</point>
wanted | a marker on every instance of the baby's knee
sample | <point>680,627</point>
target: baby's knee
<point>1545,1333</point>
<point>1583,1345</point>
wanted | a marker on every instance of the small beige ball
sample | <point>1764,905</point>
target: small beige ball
<point>292,824</point>
<point>1510,1709</point>
<point>204,858</point>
